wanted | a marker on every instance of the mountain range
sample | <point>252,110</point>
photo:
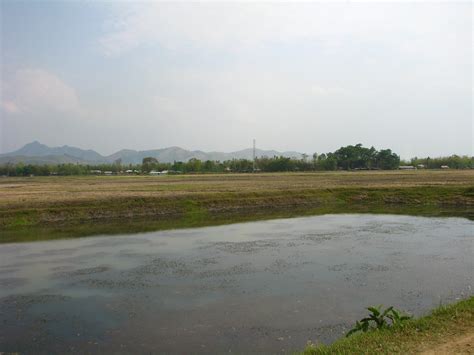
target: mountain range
<point>37,153</point>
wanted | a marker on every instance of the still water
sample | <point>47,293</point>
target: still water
<point>252,287</point>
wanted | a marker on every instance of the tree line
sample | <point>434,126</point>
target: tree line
<point>351,157</point>
<point>453,162</point>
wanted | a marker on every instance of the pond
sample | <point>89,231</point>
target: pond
<point>267,286</point>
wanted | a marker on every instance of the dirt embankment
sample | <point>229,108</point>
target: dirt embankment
<point>58,200</point>
<point>462,344</point>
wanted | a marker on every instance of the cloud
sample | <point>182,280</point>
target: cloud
<point>233,26</point>
<point>213,25</point>
<point>165,104</point>
<point>10,107</point>
<point>33,91</point>
<point>242,98</point>
<point>326,91</point>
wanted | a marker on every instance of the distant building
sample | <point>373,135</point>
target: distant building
<point>444,167</point>
<point>406,167</point>
<point>164,172</point>
<point>97,172</point>
<point>108,172</point>
<point>420,166</point>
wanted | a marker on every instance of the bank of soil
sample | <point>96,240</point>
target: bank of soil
<point>148,203</point>
<point>462,344</point>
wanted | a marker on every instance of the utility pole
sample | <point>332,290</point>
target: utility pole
<point>254,157</point>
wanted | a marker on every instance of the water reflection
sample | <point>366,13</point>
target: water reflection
<point>260,286</point>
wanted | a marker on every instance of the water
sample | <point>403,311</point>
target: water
<point>253,287</point>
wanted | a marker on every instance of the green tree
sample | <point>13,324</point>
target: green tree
<point>387,160</point>
<point>149,164</point>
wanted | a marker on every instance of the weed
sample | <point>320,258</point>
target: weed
<point>379,319</point>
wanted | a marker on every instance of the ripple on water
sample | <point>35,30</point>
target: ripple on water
<point>23,301</point>
<point>243,247</point>
<point>84,271</point>
<point>163,266</point>
<point>126,284</point>
<point>13,282</point>
<point>240,269</point>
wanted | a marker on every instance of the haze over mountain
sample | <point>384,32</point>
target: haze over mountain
<point>308,76</point>
<point>37,153</point>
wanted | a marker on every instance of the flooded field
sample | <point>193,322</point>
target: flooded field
<point>253,287</point>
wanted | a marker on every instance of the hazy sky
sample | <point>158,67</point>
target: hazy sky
<point>308,77</point>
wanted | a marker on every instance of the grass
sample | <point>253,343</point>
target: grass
<point>57,207</point>
<point>442,325</point>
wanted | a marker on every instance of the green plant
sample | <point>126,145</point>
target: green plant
<point>379,319</point>
<point>397,317</point>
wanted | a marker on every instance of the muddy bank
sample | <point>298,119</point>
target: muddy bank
<point>77,218</point>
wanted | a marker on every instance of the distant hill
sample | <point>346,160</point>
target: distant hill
<point>37,153</point>
<point>41,160</point>
<point>36,149</point>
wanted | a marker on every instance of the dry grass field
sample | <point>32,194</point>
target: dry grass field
<point>65,201</point>
<point>30,192</point>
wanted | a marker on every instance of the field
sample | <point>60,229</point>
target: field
<point>56,207</point>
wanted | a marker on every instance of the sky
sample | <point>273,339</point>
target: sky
<point>308,77</point>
